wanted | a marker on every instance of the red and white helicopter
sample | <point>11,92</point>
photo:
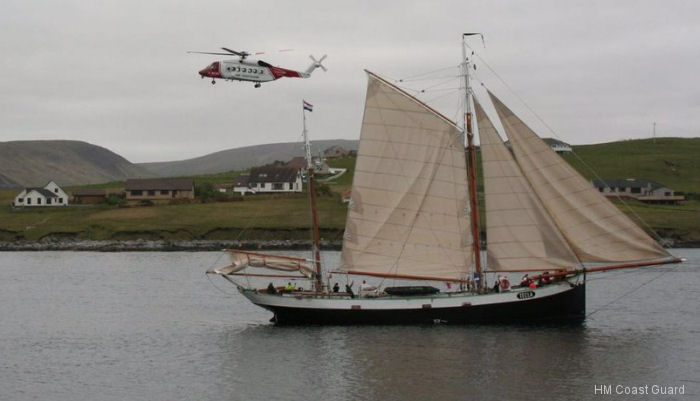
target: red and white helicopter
<point>257,71</point>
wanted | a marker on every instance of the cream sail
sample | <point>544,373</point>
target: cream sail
<point>407,214</point>
<point>595,228</point>
<point>409,218</point>
<point>521,235</point>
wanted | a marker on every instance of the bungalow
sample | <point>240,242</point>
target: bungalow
<point>640,189</point>
<point>274,179</point>
<point>88,196</point>
<point>159,188</point>
<point>48,195</point>
<point>557,145</point>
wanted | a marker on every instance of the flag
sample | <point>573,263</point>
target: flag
<point>307,106</point>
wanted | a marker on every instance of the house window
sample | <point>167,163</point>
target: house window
<point>164,192</point>
<point>136,192</point>
<point>277,186</point>
<point>636,190</point>
<point>29,201</point>
<point>48,201</point>
<point>151,192</point>
<point>38,201</point>
<point>60,200</point>
<point>55,190</point>
<point>20,200</point>
<point>668,194</point>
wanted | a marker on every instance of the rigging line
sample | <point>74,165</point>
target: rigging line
<point>429,78</point>
<point>451,92</point>
<point>228,294</point>
<point>668,269</point>
<point>437,84</point>
<point>423,74</point>
<point>586,165</point>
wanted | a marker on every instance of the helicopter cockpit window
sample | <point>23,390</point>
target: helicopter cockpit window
<point>263,64</point>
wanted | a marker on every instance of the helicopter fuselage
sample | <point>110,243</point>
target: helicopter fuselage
<point>247,70</point>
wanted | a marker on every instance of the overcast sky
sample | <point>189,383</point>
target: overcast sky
<point>116,73</point>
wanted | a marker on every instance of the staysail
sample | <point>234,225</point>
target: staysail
<point>521,235</point>
<point>241,260</point>
<point>407,215</point>
<point>595,228</point>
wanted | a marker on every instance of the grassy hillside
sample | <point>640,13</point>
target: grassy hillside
<point>34,163</point>
<point>241,158</point>
<point>673,162</point>
<point>286,216</point>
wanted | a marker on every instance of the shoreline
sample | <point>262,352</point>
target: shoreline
<point>142,245</point>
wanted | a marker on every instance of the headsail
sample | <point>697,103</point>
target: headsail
<point>595,228</point>
<point>521,235</point>
<point>407,215</point>
<point>241,260</point>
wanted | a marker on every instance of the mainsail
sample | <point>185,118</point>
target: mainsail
<point>521,235</point>
<point>407,216</point>
<point>595,228</point>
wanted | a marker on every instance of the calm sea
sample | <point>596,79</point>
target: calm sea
<point>152,326</point>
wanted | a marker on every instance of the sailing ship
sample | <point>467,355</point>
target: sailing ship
<point>413,217</point>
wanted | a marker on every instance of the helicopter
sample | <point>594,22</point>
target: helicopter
<point>245,69</point>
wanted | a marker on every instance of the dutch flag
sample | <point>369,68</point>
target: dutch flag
<point>307,106</point>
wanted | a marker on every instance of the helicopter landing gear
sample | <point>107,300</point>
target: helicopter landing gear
<point>213,82</point>
<point>257,85</point>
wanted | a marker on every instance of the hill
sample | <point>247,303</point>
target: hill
<point>33,163</point>
<point>241,158</point>
<point>674,162</point>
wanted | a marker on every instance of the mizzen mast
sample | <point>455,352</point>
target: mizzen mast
<point>471,161</point>
<point>318,283</point>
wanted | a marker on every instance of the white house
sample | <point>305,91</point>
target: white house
<point>557,145</point>
<point>274,179</point>
<point>50,195</point>
<point>640,189</point>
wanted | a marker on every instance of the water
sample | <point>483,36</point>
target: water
<point>152,326</point>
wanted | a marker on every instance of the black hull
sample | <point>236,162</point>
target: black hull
<point>565,307</point>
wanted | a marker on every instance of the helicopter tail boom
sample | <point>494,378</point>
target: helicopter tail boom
<point>314,65</point>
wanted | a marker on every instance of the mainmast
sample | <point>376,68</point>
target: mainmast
<point>471,161</point>
<point>316,248</point>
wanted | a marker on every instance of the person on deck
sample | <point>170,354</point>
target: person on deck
<point>271,289</point>
<point>497,285</point>
<point>525,281</point>
<point>289,287</point>
<point>336,287</point>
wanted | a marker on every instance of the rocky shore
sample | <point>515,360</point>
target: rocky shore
<point>142,245</point>
<point>160,245</point>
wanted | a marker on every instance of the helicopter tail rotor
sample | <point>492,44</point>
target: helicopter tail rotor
<point>314,65</point>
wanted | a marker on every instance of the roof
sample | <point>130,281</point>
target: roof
<point>45,192</point>
<point>242,180</point>
<point>554,142</point>
<point>298,162</point>
<point>625,183</point>
<point>273,174</point>
<point>89,192</point>
<point>180,184</point>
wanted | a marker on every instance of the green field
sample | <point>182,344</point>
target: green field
<point>671,161</point>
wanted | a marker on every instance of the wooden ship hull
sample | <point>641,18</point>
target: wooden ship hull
<point>562,302</point>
